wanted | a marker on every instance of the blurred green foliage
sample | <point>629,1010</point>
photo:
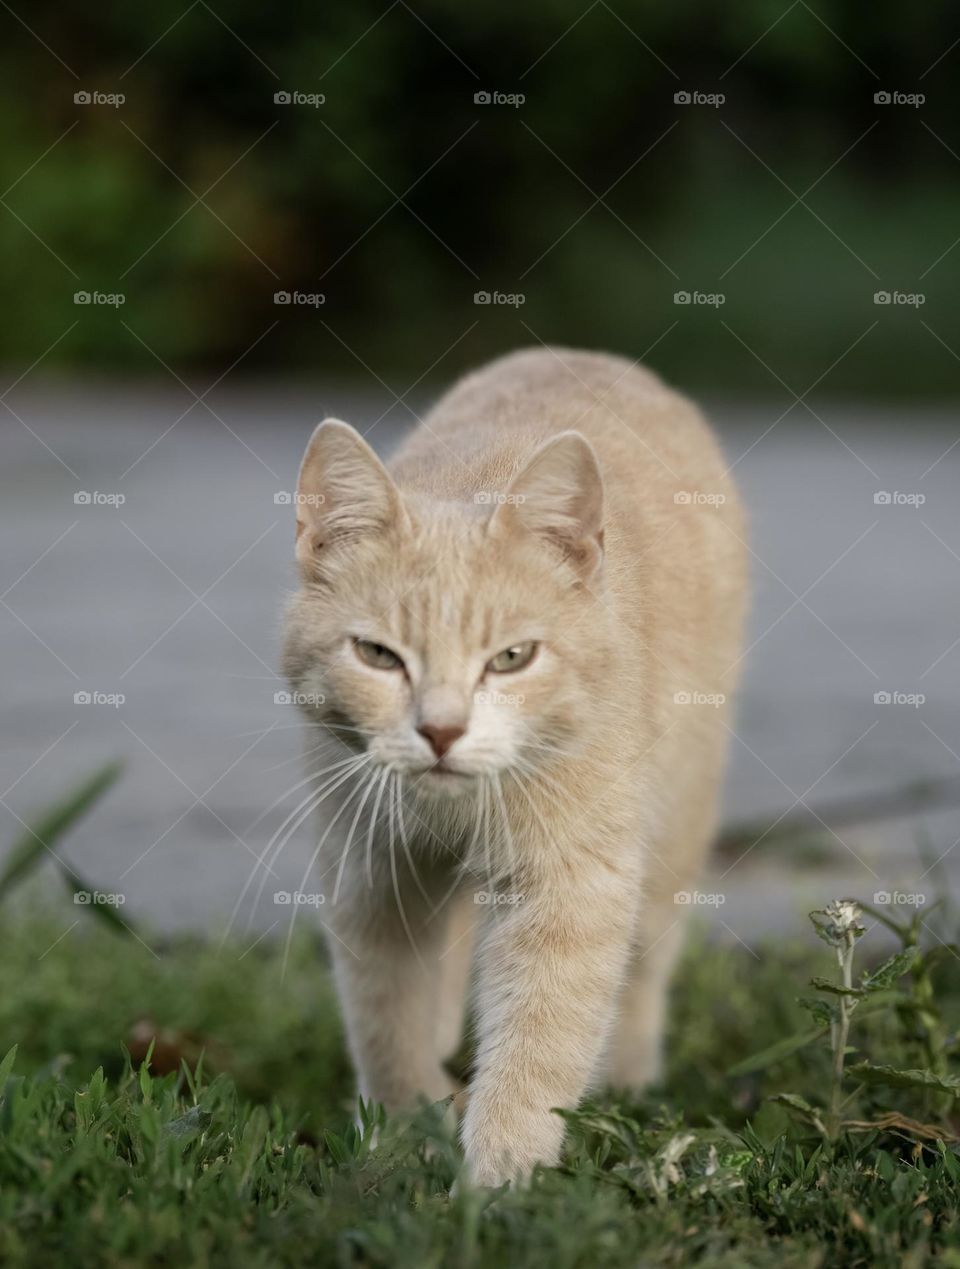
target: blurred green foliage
<point>400,197</point>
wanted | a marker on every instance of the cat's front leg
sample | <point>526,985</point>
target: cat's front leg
<point>551,966</point>
<point>388,975</point>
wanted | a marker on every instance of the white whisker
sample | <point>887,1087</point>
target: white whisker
<point>371,783</point>
<point>304,812</point>
<point>396,888</point>
<point>373,825</point>
<point>306,873</point>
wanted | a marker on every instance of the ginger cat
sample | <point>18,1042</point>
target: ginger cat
<point>519,637</point>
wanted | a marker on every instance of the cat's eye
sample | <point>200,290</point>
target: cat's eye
<point>376,655</point>
<point>515,658</point>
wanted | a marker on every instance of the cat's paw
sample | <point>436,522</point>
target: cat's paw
<point>505,1146</point>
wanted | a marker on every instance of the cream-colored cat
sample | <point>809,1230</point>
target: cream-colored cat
<point>521,635</point>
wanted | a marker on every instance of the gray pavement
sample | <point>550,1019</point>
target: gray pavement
<point>173,598</point>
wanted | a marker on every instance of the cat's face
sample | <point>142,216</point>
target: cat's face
<point>448,641</point>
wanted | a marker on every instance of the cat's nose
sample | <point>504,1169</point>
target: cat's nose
<point>440,738</point>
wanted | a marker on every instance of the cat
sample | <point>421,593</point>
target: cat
<point>522,636</point>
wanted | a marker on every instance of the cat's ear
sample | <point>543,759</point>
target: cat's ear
<point>344,491</point>
<point>558,495</point>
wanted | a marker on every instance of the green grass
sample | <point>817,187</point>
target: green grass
<point>253,1160</point>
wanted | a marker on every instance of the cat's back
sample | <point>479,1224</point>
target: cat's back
<point>656,451</point>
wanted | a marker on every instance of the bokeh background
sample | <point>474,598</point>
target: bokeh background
<point>218,224</point>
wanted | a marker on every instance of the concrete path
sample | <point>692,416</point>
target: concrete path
<point>172,599</point>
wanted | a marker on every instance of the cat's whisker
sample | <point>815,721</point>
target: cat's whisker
<point>372,828</point>
<point>371,784</point>
<point>302,755</point>
<point>314,775</point>
<point>533,806</point>
<point>398,795</point>
<point>507,831</point>
<point>306,873</point>
<point>492,873</point>
<point>305,802</point>
<point>305,810</point>
<point>396,887</point>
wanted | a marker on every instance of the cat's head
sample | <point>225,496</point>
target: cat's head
<point>449,640</point>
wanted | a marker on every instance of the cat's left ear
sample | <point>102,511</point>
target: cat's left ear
<point>344,491</point>
<point>558,496</point>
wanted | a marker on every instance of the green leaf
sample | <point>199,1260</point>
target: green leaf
<point>776,1052</point>
<point>104,912</point>
<point>894,967</point>
<point>800,1107</point>
<point>895,1078</point>
<point>336,1147</point>
<point>194,1121</point>
<point>821,1010</point>
<point>36,841</point>
<point>836,989</point>
<point>6,1066</point>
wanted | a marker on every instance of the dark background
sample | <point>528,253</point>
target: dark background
<point>400,197</point>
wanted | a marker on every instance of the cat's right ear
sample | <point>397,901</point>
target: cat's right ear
<point>344,491</point>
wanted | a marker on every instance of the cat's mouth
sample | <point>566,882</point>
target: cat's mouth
<point>441,776</point>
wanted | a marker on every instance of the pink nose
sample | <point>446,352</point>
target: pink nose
<point>440,738</point>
